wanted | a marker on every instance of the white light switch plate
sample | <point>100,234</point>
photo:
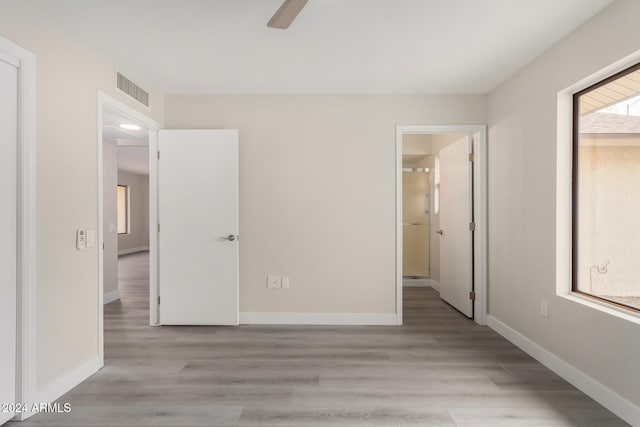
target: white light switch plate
<point>285,282</point>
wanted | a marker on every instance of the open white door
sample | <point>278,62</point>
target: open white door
<point>456,237</point>
<point>8,225</point>
<point>198,216</point>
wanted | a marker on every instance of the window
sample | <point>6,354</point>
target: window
<point>123,209</point>
<point>606,190</point>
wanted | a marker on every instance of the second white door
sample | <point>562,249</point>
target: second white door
<point>198,236</point>
<point>456,238</point>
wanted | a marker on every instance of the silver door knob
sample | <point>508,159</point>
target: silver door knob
<point>440,232</point>
<point>230,238</point>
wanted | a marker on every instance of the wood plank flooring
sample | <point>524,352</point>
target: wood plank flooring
<point>439,369</point>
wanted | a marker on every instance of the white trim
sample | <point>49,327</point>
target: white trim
<point>480,210</point>
<point>110,102</point>
<point>154,289</point>
<point>399,133</point>
<point>415,283</point>
<point>62,385</point>
<point>111,297</point>
<point>317,318</point>
<point>9,59</point>
<point>564,190</point>
<point>133,250</point>
<point>435,285</point>
<point>26,295</point>
<point>594,389</point>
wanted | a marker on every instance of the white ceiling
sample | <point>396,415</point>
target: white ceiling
<point>133,145</point>
<point>112,131</point>
<point>334,46</point>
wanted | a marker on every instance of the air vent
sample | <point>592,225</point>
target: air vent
<point>133,90</point>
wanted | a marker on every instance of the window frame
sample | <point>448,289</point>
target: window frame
<point>575,169</point>
<point>127,215</point>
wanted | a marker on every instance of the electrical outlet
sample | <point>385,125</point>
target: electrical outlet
<point>544,308</point>
<point>274,282</point>
<point>285,282</point>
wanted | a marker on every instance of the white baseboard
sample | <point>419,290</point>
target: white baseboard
<point>318,319</point>
<point>435,285</point>
<point>111,296</point>
<point>56,389</point>
<point>133,250</point>
<point>415,283</point>
<point>602,394</point>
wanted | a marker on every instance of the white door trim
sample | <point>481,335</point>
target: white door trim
<point>105,100</point>
<point>26,250</point>
<point>479,205</point>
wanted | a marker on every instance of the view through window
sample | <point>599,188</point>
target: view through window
<point>123,209</point>
<point>606,192</point>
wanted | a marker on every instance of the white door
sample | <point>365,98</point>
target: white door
<point>198,216</point>
<point>456,238</point>
<point>8,224</point>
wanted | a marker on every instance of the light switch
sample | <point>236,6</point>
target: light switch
<point>285,282</point>
<point>81,239</point>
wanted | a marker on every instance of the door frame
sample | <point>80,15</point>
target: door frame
<point>125,110</point>
<point>479,133</point>
<point>26,242</point>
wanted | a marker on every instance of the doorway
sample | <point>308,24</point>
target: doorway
<point>125,189</point>
<point>452,261</point>
<point>17,224</point>
<point>127,143</point>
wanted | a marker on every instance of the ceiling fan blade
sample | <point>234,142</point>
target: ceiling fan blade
<point>285,15</point>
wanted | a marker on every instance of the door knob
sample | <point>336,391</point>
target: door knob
<point>230,238</point>
<point>440,232</point>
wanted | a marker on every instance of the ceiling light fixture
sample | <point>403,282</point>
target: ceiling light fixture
<point>129,126</point>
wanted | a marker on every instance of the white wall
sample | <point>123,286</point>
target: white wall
<point>522,206</point>
<point>138,237</point>
<point>317,191</point>
<point>110,218</point>
<point>416,143</point>
<point>68,79</point>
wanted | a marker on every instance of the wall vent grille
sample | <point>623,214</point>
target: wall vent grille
<point>133,90</point>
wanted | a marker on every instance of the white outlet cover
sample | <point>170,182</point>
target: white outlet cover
<point>544,308</point>
<point>285,282</point>
<point>274,282</point>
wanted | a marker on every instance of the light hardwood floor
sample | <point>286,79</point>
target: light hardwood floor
<point>439,369</point>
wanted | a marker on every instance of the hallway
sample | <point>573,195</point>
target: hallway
<point>439,369</point>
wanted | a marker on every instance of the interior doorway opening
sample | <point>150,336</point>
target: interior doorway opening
<point>441,220</point>
<point>125,192</point>
<point>127,214</point>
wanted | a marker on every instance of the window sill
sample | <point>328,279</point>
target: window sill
<point>604,307</point>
